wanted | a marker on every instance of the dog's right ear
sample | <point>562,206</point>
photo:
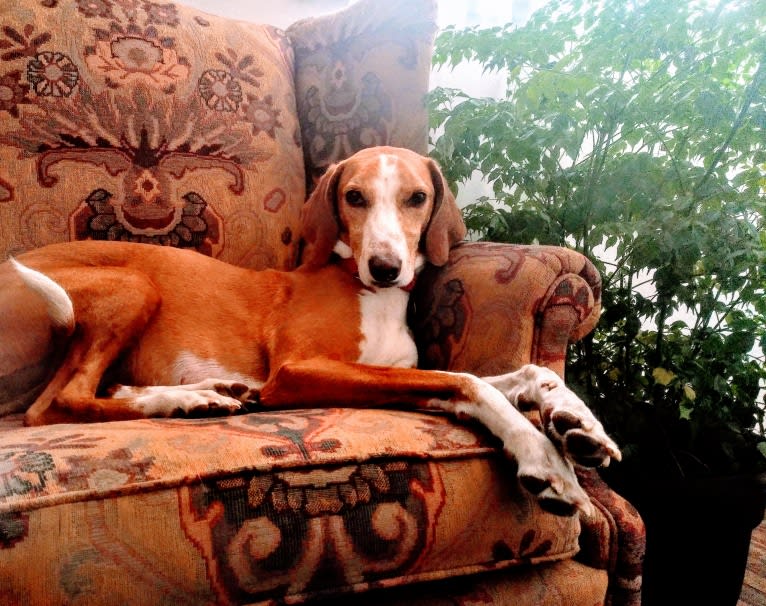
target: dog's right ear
<point>321,224</point>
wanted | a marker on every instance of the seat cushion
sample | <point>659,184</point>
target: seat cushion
<point>257,507</point>
<point>150,122</point>
<point>562,583</point>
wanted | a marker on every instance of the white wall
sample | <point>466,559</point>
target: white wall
<point>280,13</point>
<point>284,12</point>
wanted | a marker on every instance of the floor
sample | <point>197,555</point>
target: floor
<point>754,588</point>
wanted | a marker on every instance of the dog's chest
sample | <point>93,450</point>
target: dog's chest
<point>386,338</point>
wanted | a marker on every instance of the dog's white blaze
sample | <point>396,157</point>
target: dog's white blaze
<point>190,368</point>
<point>386,338</point>
<point>382,232</point>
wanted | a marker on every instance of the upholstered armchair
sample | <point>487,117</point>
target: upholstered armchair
<point>145,121</point>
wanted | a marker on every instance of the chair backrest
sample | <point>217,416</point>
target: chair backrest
<point>148,122</point>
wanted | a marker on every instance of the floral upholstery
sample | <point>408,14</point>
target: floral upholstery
<point>117,124</point>
<point>310,501</point>
<point>147,121</point>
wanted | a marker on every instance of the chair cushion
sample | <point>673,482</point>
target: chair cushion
<point>148,121</point>
<point>562,583</point>
<point>257,507</point>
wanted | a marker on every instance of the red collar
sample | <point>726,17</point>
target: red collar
<point>349,266</point>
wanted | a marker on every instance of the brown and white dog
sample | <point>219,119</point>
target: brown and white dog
<point>132,330</point>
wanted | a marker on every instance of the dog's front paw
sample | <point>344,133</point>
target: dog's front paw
<point>205,403</point>
<point>581,436</point>
<point>542,468</point>
<point>569,423</point>
<point>544,473</point>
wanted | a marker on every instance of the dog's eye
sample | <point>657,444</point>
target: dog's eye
<point>354,198</point>
<point>417,199</point>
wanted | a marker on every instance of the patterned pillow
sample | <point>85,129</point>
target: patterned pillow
<point>150,122</point>
<point>361,78</point>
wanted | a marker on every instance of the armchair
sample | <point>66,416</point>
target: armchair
<point>147,121</point>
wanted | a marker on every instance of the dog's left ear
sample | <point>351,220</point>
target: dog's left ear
<point>321,226</point>
<point>446,227</point>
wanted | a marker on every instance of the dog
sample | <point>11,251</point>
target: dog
<point>137,330</point>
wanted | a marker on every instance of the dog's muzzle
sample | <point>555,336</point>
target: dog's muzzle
<point>384,270</point>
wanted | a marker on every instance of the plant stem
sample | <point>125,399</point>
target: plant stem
<point>750,95</point>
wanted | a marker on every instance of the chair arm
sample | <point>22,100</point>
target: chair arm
<point>495,307</point>
<point>623,555</point>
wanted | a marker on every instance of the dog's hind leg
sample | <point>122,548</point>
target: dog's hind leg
<point>112,306</point>
<point>112,309</point>
<point>31,339</point>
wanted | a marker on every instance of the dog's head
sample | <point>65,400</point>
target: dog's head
<point>388,208</point>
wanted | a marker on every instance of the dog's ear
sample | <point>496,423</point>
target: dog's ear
<point>446,227</point>
<point>321,224</point>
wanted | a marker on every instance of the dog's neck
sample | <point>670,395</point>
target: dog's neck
<point>386,338</point>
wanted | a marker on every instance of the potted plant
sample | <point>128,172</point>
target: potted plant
<point>635,132</point>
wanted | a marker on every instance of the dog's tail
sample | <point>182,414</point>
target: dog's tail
<point>57,302</point>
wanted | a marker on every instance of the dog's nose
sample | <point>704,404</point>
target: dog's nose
<point>384,270</point>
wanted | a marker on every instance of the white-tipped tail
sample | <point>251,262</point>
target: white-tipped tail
<point>58,304</point>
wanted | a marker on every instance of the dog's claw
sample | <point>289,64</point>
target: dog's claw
<point>573,427</point>
<point>233,390</point>
<point>203,403</point>
<point>234,396</point>
<point>567,421</point>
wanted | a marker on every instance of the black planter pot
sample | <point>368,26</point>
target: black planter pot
<point>698,536</point>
